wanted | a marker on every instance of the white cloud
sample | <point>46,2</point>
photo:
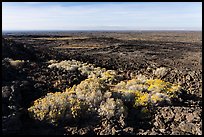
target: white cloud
<point>99,16</point>
<point>33,2</point>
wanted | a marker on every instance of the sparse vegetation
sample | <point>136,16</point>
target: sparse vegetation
<point>15,63</point>
<point>110,83</point>
<point>94,95</point>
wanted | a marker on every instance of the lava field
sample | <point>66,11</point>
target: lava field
<point>102,83</point>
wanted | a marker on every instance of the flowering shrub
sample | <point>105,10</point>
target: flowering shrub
<point>55,106</point>
<point>91,91</point>
<point>160,72</point>
<point>146,92</point>
<point>91,96</point>
<point>99,95</point>
<point>15,63</point>
<point>89,70</point>
<point>112,108</point>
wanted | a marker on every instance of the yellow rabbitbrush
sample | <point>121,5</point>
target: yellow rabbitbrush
<point>148,92</point>
<point>91,96</point>
<point>98,95</point>
<point>160,86</point>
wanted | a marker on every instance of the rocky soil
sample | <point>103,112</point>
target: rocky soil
<point>128,53</point>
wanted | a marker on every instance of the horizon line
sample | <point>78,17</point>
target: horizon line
<point>115,30</point>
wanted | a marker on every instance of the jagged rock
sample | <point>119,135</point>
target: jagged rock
<point>159,123</point>
<point>11,124</point>
<point>187,127</point>
<point>167,114</point>
<point>6,92</point>
<point>129,130</point>
<point>160,72</point>
<point>190,117</point>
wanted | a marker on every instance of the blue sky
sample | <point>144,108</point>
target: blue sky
<point>102,16</point>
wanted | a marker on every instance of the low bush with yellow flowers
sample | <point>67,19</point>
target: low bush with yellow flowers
<point>103,94</point>
<point>91,96</point>
<point>89,70</point>
<point>148,92</point>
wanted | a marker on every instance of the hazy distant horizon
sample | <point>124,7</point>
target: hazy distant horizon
<point>88,30</point>
<point>109,30</point>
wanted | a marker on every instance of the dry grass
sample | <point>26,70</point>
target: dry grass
<point>79,46</point>
<point>161,36</point>
<point>61,38</point>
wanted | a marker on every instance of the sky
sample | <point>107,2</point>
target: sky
<point>101,16</point>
